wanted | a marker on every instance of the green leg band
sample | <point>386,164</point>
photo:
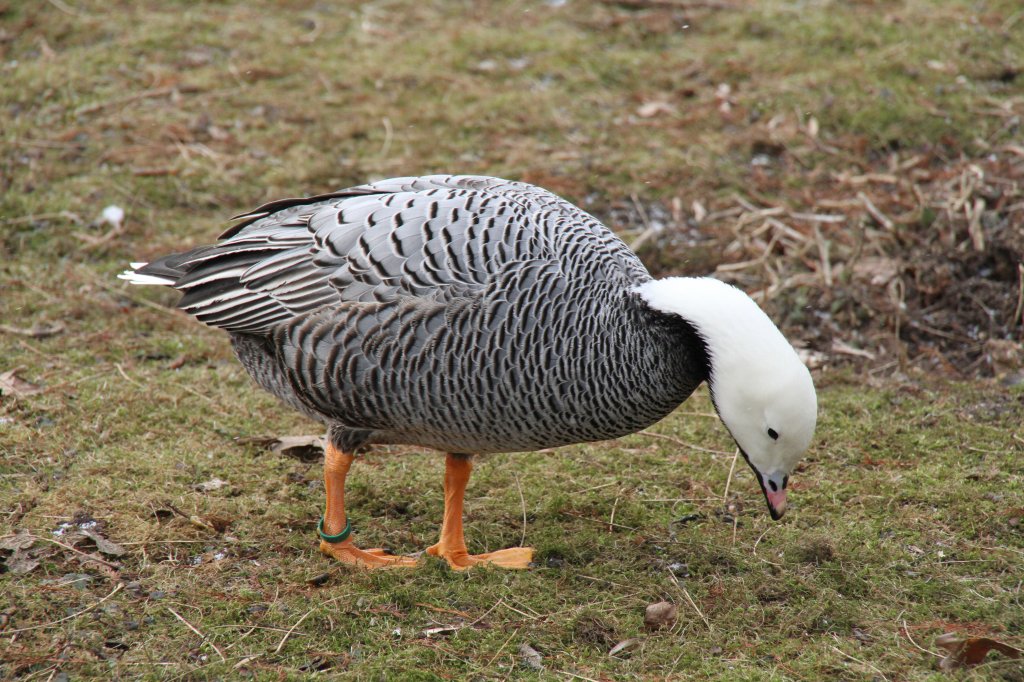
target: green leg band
<point>340,537</point>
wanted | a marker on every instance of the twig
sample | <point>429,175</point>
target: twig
<point>906,631</point>
<point>1018,313</point>
<point>500,648</point>
<point>501,600</point>
<point>973,213</point>
<point>649,230</point>
<point>615,505</point>
<point>522,503</point>
<point>728,481</point>
<point>116,589</point>
<point>288,634</point>
<point>68,9</point>
<point>239,626</point>
<point>819,217</point>
<point>134,97</point>
<point>280,645</point>
<point>826,264</point>
<point>759,538</point>
<point>92,242</point>
<point>882,219</point>
<point>681,443</point>
<point>127,378</point>
<point>388,134</point>
<point>521,613</point>
<point>86,555</point>
<point>438,609</point>
<point>603,523</point>
<point>33,217</point>
<point>690,599</point>
<point>857,660</point>
<point>596,487</point>
<point>196,630</point>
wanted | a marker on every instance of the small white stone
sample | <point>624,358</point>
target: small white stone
<point>114,215</point>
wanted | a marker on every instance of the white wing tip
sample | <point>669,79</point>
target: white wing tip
<point>135,278</point>
<point>136,266</point>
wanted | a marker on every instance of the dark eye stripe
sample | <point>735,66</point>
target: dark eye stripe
<point>773,434</point>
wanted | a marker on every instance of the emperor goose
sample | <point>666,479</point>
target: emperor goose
<point>477,315</point>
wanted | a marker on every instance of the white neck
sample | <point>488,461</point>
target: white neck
<point>736,330</point>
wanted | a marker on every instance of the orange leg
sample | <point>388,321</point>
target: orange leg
<point>336,466</point>
<point>452,545</point>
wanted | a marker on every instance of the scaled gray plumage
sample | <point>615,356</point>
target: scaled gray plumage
<point>467,314</point>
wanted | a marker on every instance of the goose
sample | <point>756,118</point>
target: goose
<point>474,315</point>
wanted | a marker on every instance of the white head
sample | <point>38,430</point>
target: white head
<point>761,390</point>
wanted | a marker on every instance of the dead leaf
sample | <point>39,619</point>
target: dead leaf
<point>12,384</point>
<point>653,108</point>
<point>37,331</point>
<point>936,65</point>
<point>699,211</point>
<point>626,646</point>
<point>24,559</point>
<point>843,348</point>
<point>21,563</point>
<point>319,580</point>
<point>964,653</point>
<point>178,362</point>
<point>861,636</point>
<point>199,522</point>
<point>443,630</point>
<point>530,657</point>
<point>879,271</point>
<point>212,484</point>
<point>660,615</point>
<point>104,545</point>
<point>302,448</point>
<point>18,541</point>
<point>219,523</point>
<point>813,127</point>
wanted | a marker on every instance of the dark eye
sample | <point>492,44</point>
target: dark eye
<point>773,434</point>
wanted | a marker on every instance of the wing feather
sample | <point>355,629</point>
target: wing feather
<point>439,237</point>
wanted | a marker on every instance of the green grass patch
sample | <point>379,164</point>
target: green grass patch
<point>907,512</point>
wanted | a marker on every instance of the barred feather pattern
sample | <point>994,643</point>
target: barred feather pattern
<point>468,314</point>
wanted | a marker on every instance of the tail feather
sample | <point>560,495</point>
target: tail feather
<point>134,277</point>
<point>212,280</point>
<point>164,271</point>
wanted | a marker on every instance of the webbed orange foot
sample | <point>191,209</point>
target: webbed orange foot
<point>334,527</point>
<point>347,553</point>
<point>460,559</point>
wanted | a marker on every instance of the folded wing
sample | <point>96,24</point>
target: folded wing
<point>437,237</point>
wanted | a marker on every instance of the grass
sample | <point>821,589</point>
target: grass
<point>907,518</point>
<point>906,525</point>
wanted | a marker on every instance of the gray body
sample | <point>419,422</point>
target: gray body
<point>466,314</point>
